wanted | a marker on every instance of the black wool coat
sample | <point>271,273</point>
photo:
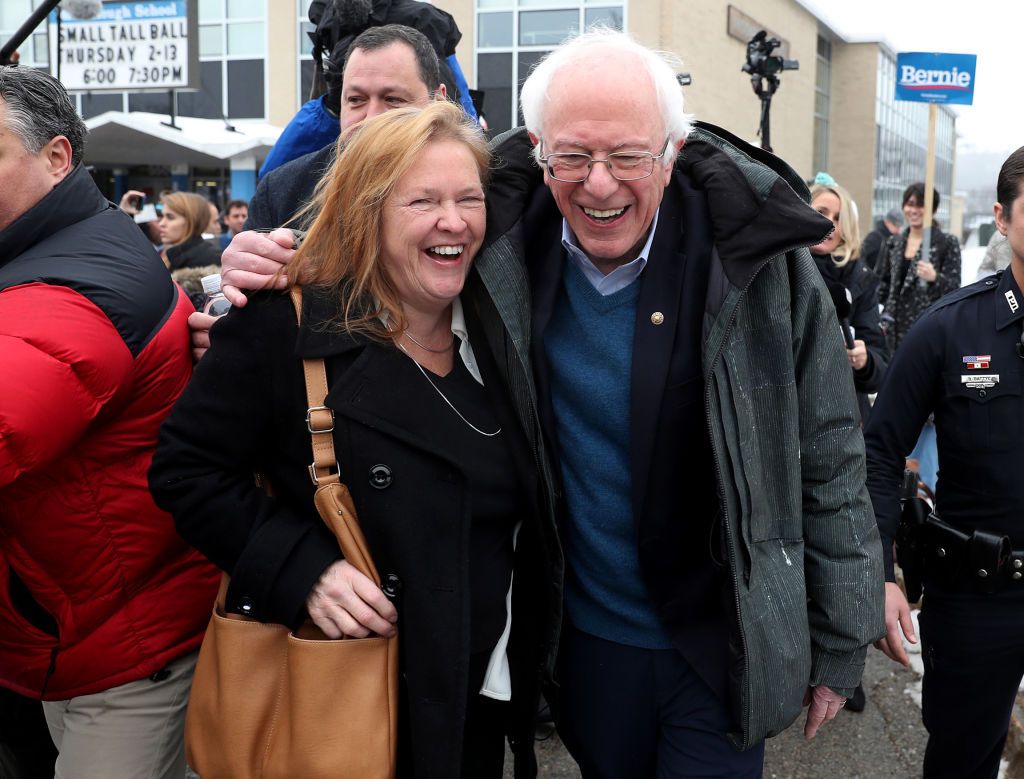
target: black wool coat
<point>244,411</point>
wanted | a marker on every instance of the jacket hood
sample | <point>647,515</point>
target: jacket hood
<point>74,199</point>
<point>756,202</point>
<point>515,177</point>
<point>758,205</point>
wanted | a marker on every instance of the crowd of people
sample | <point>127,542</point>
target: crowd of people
<point>599,389</point>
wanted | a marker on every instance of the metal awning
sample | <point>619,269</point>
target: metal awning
<point>117,139</point>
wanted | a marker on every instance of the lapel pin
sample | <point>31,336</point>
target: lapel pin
<point>657,318</point>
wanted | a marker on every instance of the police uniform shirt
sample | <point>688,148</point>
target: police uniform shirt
<point>962,361</point>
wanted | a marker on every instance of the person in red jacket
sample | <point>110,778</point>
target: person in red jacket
<point>102,604</point>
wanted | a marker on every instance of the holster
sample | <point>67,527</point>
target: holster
<point>978,560</point>
<point>910,536</point>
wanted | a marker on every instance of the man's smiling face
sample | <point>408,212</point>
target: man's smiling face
<point>618,112</point>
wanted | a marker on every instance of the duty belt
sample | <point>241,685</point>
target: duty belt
<point>979,560</point>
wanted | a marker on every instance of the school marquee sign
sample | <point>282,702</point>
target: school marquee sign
<point>151,45</point>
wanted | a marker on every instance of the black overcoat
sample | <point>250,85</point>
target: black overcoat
<point>245,411</point>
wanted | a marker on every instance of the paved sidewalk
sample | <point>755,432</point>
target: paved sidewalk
<point>885,740</point>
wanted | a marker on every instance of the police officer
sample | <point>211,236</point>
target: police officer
<point>963,360</point>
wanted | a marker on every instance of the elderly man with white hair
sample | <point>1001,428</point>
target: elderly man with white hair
<point>721,567</point>
<point>656,310</point>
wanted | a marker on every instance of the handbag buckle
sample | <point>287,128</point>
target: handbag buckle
<point>309,420</point>
<point>313,476</point>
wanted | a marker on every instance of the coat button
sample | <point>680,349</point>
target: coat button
<point>391,585</point>
<point>657,318</point>
<point>380,477</point>
<point>246,605</point>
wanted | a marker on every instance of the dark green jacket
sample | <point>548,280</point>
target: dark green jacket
<point>803,548</point>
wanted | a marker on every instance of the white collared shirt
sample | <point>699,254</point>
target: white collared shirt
<point>621,277</point>
<point>459,329</point>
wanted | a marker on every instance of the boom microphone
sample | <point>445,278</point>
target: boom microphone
<point>82,9</point>
<point>843,302</point>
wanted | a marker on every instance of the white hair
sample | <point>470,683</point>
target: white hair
<point>661,67</point>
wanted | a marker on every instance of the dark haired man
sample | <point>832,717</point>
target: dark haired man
<point>388,67</point>
<point>236,213</point>
<point>393,66</point>
<point>962,362</point>
<point>873,243</point>
<point>103,605</point>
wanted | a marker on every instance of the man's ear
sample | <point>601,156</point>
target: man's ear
<point>57,155</point>
<point>1002,223</point>
<point>533,138</point>
<point>441,93</point>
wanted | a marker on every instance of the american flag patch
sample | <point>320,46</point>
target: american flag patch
<point>977,361</point>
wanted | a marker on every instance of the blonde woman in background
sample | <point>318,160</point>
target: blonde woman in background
<point>837,258</point>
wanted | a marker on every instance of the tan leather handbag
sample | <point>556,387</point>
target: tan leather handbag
<point>268,703</point>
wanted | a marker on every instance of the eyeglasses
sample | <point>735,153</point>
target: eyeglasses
<point>574,167</point>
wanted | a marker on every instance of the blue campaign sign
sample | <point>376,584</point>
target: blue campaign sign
<point>924,77</point>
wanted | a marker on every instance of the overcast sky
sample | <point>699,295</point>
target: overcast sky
<point>992,29</point>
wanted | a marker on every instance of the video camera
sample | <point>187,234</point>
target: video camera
<point>764,68</point>
<point>761,63</point>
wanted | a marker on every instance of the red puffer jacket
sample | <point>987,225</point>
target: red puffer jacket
<point>96,587</point>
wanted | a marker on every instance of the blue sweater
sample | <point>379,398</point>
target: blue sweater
<point>589,348</point>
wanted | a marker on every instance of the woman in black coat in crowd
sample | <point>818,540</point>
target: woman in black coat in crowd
<point>908,283</point>
<point>442,472</point>
<point>187,255</point>
<point>837,259</point>
<point>184,218</point>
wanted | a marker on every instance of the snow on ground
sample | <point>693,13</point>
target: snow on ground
<point>916,662</point>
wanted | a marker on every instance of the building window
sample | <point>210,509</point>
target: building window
<point>822,101</point>
<point>513,35</point>
<point>305,49</point>
<point>34,51</point>
<point>232,53</point>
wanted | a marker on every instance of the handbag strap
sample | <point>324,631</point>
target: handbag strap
<point>332,498</point>
<point>319,418</point>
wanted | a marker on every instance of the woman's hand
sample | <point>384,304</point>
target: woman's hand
<point>344,602</point>
<point>858,355</point>
<point>926,271</point>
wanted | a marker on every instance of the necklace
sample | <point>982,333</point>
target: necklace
<point>442,350</point>
<point>445,398</point>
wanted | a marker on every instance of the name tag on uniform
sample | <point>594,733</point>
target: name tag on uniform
<point>980,380</point>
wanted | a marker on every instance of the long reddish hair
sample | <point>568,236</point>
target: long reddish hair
<point>341,250</point>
